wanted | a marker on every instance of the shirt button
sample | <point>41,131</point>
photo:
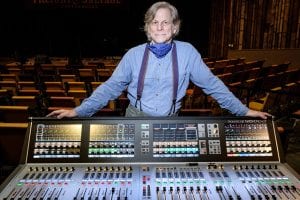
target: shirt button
<point>156,94</point>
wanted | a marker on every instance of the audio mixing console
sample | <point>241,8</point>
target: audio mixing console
<point>180,158</point>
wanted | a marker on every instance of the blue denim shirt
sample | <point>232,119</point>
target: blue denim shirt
<point>158,84</point>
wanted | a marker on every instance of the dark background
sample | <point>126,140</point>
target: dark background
<point>90,32</point>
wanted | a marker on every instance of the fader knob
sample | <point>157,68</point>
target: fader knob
<point>293,188</point>
<point>171,189</point>
<point>270,166</point>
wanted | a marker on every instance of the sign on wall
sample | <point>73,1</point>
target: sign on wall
<point>89,4</point>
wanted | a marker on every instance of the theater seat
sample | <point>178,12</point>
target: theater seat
<point>14,114</point>
<point>62,101</point>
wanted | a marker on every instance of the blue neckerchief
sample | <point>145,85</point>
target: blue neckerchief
<point>161,49</point>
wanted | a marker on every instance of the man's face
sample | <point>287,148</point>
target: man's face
<point>161,28</point>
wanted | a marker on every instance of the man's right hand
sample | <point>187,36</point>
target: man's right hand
<point>62,113</point>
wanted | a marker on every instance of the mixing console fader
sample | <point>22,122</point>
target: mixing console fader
<point>182,158</point>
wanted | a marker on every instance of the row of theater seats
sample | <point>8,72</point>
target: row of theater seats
<point>248,80</point>
<point>39,102</point>
<point>51,88</point>
<point>37,89</point>
<point>66,74</point>
<point>265,88</point>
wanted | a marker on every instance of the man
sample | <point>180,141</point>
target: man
<point>156,74</point>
